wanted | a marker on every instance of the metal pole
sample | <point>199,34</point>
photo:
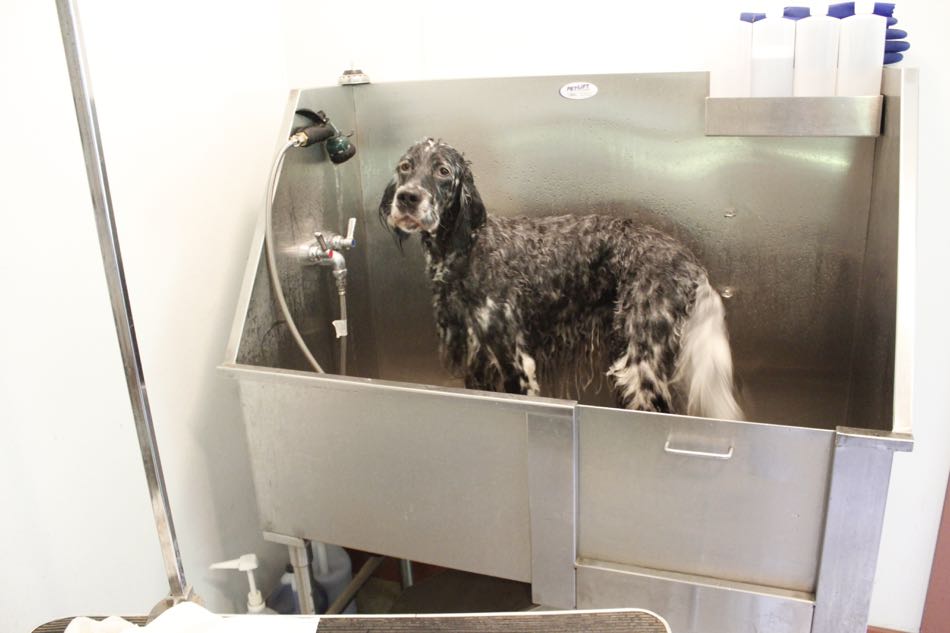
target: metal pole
<point>118,293</point>
<point>301,564</point>
<point>405,570</point>
<point>349,592</point>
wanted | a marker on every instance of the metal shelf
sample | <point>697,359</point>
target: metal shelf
<point>794,116</point>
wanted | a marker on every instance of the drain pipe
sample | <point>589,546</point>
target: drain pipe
<point>88,122</point>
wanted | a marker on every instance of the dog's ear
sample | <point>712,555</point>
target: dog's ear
<point>385,205</point>
<point>467,211</point>
<point>470,202</point>
<point>385,208</point>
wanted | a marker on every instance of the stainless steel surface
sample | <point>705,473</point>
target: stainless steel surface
<point>84,102</point>
<point>693,604</point>
<point>872,356</point>
<point>757,517</point>
<point>283,539</point>
<point>793,250</point>
<point>705,454</point>
<point>312,195</point>
<point>865,438</point>
<point>552,498</point>
<point>881,365</point>
<point>782,223</point>
<point>269,249</point>
<point>859,482</point>
<point>904,83</point>
<point>413,472</point>
<point>793,116</point>
<point>790,227</point>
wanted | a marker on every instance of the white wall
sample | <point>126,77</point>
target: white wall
<point>76,518</point>
<point>189,97</point>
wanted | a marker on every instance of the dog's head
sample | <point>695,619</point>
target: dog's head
<point>432,192</point>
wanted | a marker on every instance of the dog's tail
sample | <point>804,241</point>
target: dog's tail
<point>704,366</point>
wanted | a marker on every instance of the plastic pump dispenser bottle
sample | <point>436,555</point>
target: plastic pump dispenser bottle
<point>730,76</point>
<point>247,563</point>
<point>861,52</point>
<point>773,52</point>
<point>816,54</point>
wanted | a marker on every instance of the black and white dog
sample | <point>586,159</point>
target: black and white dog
<point>514,296</point>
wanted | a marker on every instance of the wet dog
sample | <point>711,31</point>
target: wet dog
<point>515,296</point>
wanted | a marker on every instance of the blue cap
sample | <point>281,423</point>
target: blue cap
<point>885,9</point>
<point>841,10</point>
<point>751,17</point>
<point>796,13</point>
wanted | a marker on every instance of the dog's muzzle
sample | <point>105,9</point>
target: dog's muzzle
<point>412,210</point>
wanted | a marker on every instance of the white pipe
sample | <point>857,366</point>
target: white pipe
<point>323,562</point>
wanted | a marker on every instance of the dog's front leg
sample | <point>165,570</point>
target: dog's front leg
<point>482,375</point>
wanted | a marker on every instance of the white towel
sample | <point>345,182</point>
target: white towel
<point>188,617</point>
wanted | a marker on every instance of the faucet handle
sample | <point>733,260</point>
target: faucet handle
<point>351,232</point>
<point>321,241</point>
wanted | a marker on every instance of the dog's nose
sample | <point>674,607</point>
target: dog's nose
<point>408,197</point>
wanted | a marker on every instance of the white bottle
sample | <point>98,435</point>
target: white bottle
<point>731,71</point>
<point>861,52</point>
<point>248,563</point>
<point>333,570</point>
<point>816,54</point>
<point>773,52</point>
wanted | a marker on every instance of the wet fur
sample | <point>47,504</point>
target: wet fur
<point>518,298</point>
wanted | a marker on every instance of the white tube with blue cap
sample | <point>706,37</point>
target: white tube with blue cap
<point>773,52</point>
<point>730,75</point>
<point>860,51</point>
<point>816,52</point>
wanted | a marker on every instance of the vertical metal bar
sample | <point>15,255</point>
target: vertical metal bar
<point>301,565</point>
<point>552,485</point>
<point>405,571</point>
<point>860,476</point>
<point>118,293</point>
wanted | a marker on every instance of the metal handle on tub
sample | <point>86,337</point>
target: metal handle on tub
<point>706,454</point>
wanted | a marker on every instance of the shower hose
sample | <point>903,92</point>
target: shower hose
<point>275,278</point>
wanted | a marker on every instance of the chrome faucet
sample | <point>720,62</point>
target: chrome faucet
<point>326,251</point>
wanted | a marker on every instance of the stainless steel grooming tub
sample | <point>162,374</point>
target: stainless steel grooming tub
<point>803,212</point>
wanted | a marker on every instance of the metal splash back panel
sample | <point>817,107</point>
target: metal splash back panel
<point>781,224</point>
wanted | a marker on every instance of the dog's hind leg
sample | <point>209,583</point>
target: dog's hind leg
<point>523,378</point>
<point>482,374</point>
<point>519,371</point>
<point>644,328</point>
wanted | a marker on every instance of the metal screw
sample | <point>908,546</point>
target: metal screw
<point>727,292</point>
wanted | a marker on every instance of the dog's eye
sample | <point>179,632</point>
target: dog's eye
<point>445,171</point>
<point>405,166</point>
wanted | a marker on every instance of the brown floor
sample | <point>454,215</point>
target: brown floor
<point>437,590</point>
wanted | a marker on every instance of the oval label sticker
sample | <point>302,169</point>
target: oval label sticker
<point>578,90</point>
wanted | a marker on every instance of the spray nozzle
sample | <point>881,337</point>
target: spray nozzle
<point>246,563</point>
<point>339,147</point>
